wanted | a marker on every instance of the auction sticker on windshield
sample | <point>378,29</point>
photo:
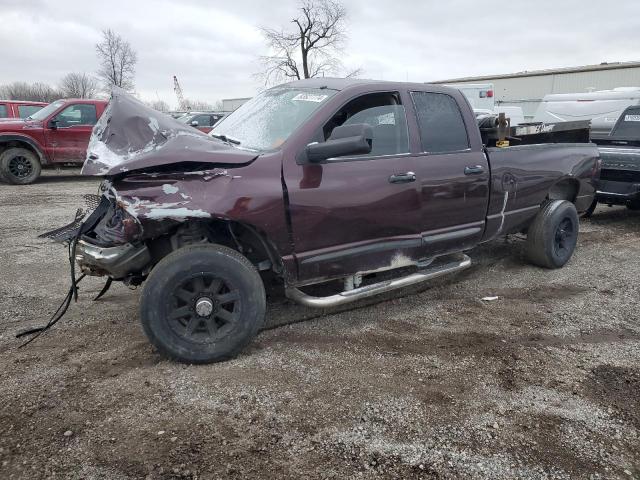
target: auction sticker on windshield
<point>627,118</point>
<point>309,97</point>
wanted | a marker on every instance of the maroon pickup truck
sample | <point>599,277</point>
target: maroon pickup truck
<point>328,181</point>
<point>53,135</point>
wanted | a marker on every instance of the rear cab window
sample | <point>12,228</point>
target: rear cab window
<point>25,111</point>
<point>442,128</point>
<point>386,116</point>
<point>4,112</point>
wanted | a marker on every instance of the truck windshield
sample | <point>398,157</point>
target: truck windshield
<point>46,111</point>
<point>267,120</point>
<point>629,124</point>
<point>186,118</point>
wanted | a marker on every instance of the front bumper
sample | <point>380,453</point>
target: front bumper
<point>116,262</point>
<point>617,193</point>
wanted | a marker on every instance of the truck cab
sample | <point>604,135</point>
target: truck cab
<point>57,134</point>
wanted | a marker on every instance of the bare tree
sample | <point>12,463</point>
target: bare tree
<point>159,105</point>
<point>78,85</point>
<point>311,48</point>
<point>35,92</point>
<point>117,61</point>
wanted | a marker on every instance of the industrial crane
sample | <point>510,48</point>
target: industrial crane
<point>182,103</point>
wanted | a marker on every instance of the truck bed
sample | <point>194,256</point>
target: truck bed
<point>523,175</point>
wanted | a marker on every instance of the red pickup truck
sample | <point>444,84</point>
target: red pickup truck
<point>56,134</point>
<point>18,108</point>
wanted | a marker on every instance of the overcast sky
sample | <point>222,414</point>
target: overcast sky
<point>213,47</point>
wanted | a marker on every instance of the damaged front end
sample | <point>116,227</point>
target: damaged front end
<point>167,186</point>
<point>114,246</point>
<point>157,173</point>
<point>105,240</point>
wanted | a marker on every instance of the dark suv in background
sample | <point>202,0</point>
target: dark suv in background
<point>203,121</point>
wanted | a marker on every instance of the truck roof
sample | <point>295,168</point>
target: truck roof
<point>23,102</point>
<point>85,100</point>
<point>349,83</point>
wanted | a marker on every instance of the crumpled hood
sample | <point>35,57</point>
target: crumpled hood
<point>131,136</point>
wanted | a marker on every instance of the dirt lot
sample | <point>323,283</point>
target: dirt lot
<point>427,383</point>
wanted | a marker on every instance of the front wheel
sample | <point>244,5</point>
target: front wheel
<point>553,235</point>
<point>19,166</point>
<point>202,304</point>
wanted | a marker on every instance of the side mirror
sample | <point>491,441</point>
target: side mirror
<point>53,123</point>
<point>344,140</point>
<point>194,123</point>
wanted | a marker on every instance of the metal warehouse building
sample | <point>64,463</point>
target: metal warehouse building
<point>526,89</point>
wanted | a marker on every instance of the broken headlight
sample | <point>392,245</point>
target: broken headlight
<point>117,227</point>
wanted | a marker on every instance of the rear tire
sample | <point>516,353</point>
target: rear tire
<point>19,166</point>
<point>202,304</point>
<point>553,235</point>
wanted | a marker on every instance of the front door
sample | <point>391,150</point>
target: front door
<point>453,176</point>
<point>358,213</point>
<point>69,138</point>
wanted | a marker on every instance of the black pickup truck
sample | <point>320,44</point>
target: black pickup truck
<point>619,182</point>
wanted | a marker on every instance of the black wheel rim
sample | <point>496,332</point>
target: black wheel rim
<point>564,237</point>
<point>204,308</point>
<point>20,167</point>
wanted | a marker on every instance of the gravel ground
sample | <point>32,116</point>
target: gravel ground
<point>543,382</point>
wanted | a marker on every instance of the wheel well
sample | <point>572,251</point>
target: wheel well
<point>6,144</point>
<point>246,239</point>
<point>566,189</point>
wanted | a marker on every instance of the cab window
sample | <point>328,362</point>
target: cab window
<point>79,114</point>
<point>441,125</point>
<point>3,110</point>
<point>25,111</point>
<point>386,115</point>
<point>203,120</point>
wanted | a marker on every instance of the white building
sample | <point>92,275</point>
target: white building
<point>231,104</point>
<point>526,89</point>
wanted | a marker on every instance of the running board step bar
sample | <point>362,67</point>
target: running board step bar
<point>460,262</point>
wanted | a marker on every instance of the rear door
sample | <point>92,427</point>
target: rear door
<point>69,141</point>
<point>453,174</point>
<point>357,213</point>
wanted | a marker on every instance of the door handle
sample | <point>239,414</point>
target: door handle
<point>402,177</point>
<point>474,170</point>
